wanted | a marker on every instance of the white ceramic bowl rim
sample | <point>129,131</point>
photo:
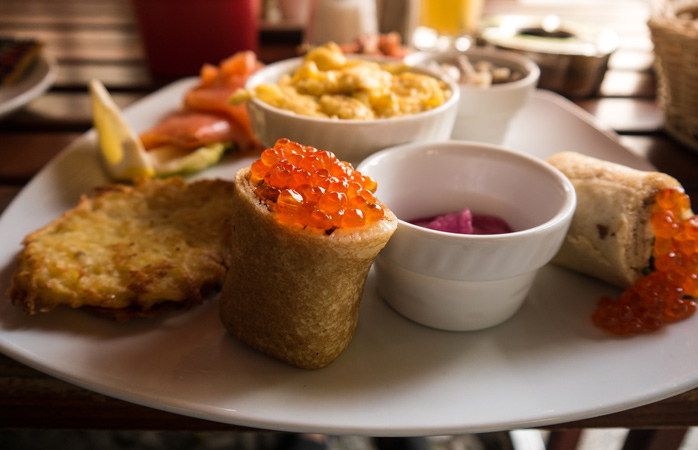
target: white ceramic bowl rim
<point>405,151</point>
<point>287,66</point>
<point>532,76</point>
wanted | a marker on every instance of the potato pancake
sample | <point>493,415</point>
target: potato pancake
<point>129,251</point>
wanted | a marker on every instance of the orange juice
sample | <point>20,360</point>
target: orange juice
<point>450,17</point>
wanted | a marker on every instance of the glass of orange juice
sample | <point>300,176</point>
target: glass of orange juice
<point>445,24</point>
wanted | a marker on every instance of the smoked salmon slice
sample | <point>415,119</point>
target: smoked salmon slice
<point>189,129</point>
<point>206,116</point>
<point>219,83</point>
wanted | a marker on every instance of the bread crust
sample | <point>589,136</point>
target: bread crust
<point>295,293</point>
<point>611,236</point>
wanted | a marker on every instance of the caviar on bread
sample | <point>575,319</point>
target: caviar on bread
<point>634,229</point>
<point>668,291</point>
<point>312,188</point>
<point>305,231</point>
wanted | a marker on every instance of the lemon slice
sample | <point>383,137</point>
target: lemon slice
<point>122,151</point>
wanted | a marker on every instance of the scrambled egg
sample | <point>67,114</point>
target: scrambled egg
<point>329,85</point>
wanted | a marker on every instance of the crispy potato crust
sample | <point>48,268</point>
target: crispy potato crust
<point>128,251</point>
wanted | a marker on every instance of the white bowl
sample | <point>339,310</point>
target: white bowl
<point>484,113</point>
<point>466,282</point>
<point>350,140</point>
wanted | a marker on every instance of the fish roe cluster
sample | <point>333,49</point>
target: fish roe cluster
<point>668,293</point>
<point>312,188</point>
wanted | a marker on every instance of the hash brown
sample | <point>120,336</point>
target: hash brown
<point>129,250</point>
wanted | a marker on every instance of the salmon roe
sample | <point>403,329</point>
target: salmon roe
<point>668,293</point>
<point>312,188</point>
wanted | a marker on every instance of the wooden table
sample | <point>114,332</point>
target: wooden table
<point>100,40</point>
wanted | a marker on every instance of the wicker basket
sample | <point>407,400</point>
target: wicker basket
<point>674,30</point>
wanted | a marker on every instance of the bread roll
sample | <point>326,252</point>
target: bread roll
<point>611,237</point>
<point>295,292</point>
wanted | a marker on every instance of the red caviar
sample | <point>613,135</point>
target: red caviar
<point>312,188</point>
<point>668,293</point>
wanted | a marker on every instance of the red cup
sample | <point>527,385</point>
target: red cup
<point>179,36</point>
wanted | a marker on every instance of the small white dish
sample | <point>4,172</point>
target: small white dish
<point>485,112</point>
<point>35,82</point>
<point>463,282</point>
<point>350,140</point>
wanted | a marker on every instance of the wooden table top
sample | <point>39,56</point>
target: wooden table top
<point>100,40</point>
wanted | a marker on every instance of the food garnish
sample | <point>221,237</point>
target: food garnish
<point>123,154</point>
<point>669,291</point>
<point>312,188</point>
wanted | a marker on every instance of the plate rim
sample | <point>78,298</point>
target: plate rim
<point>215,414</point>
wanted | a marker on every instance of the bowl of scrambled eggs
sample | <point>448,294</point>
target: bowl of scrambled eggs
<point>352,107</point>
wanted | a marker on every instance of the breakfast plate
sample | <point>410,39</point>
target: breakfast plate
<point>546,365</point>
<point>34,83</point>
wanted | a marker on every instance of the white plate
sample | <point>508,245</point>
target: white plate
<point>34,83</point>
<point>546,365</point>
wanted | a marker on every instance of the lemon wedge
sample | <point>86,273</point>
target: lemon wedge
<point>123,154</point>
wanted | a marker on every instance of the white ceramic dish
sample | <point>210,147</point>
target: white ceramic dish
<point>350,140</point>
<point>484,113</point>
<point>459,282</point>
<point>546,365</point>
<point>34,83</point>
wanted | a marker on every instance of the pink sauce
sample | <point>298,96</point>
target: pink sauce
<point>464,222</point>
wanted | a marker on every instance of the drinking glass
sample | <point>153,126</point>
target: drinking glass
<point>447,24</point>
<point>179,36</point>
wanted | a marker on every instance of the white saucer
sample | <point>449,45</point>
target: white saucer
<point>34,83</point>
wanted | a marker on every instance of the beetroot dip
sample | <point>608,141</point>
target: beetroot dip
<point>464,222</point>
